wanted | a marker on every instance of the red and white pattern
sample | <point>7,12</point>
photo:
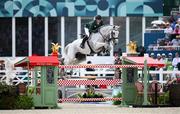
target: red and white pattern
<point>101,66</point>
<point>88,82</point>
<point>88,99</point>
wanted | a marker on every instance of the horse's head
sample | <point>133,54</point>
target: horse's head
<point>114,33</point>
<point>110,33</point>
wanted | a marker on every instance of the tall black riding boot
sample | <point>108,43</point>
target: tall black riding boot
<point>83,42</point>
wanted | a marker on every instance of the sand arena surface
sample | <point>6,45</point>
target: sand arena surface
<point>70,108</point>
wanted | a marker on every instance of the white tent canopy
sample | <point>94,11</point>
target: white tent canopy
<point>157,22</point>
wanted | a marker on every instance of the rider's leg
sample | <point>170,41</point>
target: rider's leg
<point>83,42</point>
<point>86,31</point>
<point>85,37</point>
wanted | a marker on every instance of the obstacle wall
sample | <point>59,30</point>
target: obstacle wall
<point>92,82</point>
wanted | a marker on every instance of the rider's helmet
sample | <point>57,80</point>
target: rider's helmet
<point>98,17</point>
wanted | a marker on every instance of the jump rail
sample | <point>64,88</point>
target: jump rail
<point>88,99</point>
<point>88,82</point>
<point>101,66</point>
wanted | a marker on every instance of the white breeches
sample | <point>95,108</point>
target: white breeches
<point>86,31</point>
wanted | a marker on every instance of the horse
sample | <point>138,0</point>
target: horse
<point>97,42</point>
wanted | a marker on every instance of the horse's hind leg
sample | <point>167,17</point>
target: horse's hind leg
<point>68,61</point>
<point>70,56</point>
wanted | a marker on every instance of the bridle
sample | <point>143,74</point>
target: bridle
<point>112,38</point>
<point>104,38</point>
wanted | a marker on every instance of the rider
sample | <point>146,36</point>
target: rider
<point>91,27</point>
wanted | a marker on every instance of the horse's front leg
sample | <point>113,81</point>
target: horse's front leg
<point>105,45</point>
<point>100,45</point>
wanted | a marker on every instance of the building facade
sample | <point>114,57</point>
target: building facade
<point>26,36</point>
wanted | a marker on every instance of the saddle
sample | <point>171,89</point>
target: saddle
<point>85,39</point>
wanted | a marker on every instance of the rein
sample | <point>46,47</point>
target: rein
<point>103,36</point>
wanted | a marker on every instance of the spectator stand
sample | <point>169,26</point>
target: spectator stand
<point>165,37</point>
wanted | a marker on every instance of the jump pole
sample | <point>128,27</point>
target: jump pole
<point>145,82</point>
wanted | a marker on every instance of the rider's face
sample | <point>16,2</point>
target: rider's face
<point>98,21</point>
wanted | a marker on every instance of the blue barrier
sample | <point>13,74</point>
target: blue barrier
<point>151,38</point>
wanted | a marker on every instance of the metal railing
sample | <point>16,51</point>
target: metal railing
<point>161,48</point>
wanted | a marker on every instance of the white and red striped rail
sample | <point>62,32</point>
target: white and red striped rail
<point>88,99</point>
<point>88,82</point>
<point>101,66</point>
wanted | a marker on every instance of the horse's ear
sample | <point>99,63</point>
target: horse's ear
<point>117,27</point>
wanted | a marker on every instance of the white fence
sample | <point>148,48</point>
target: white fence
<point>163,74</point>
<point>14,77</point>
<point>20,76</point>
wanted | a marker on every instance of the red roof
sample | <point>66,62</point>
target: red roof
<point>38,61</point>
<point>150,61</point>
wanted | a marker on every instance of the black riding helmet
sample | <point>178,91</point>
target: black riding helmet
<point>98,17</point>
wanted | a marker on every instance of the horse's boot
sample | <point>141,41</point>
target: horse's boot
<point>83,42</point>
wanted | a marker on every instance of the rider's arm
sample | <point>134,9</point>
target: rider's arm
<point>102,23</point>
<point>87,25</point>
<point>94,31</point>
<point>91,28</point>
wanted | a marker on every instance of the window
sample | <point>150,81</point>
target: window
<point>6,37</point>
<point>70,29</point>
<point>121,21</point>
<point>106,20</point>
<point>50,75</point>
<point>38,36</point>
<point>54,24</point>
<point>21,36</point>
<point>136,30</point>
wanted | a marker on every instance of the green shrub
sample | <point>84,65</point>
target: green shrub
<point>9,98</point>
<point>7,90</point>
<point>94,95</point>
<point>119,95</point>
<point>164,99</point>
<point>7,102</point>
<point>8,95</point>
<point>24,102</point>
<point>90,93</point>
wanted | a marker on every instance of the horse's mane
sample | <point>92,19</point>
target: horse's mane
<point>101,27</point>
<point>104,26</point>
